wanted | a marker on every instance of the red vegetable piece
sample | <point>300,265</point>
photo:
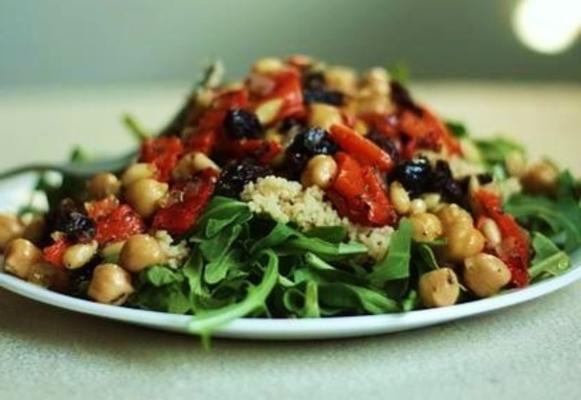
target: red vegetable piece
<point>164,153</point>
<point>365,151</point>
<point>209,126</point>
<point>428,131</point>
<point>188,201</point>
<point>262,150</point>
<point>358,193</point>
<point>101,208</point>
<point>119,225</point>
<point>514,249</point>
<point>54,253</point>
<point>287,86</point>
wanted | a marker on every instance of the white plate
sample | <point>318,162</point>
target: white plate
<point>279,329</point>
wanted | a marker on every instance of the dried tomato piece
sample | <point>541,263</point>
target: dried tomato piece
<point>262,150</point>
<point>286,85</point>
<point>164,153</point>
<point>364,150</point>
<point>187,201</point>
<point>425,130</point>
<point>54,253</point>
<point>210,125</point>
<point>119,225</point>
<point>101,208</point>
<point>359,194</point>
<point>514,249</point>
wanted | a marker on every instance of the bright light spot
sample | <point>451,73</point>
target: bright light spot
<point>548,26</point>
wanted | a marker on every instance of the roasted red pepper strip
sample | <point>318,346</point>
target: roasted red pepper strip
<point>262,150</point>
<point>121,223</point>
<point>514,249</point>
<point>164,153</point>
<point>209,127</point>
<point>365,151</point>
<point>287,86</point>
<point>188,201</point>
<point>427,130</point>
<point>358,193</point>
<point>54,253</point>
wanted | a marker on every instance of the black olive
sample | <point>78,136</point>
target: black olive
<point>443,182</point>
<point>71,220</point>
<point>332,97</point>
<point>237,174</point>
<point>289,123</point>
<point>400,96</point>
<point>313,141</point>
<point>414,175</point>
<point>314,80</point>
<point>79,280</point>
<point>484,178</point>
<point>385,144</point>
<point>242,124</point>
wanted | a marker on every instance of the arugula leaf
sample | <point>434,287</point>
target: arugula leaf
<point>217,270</point>
<point>256,296</point>
<point>356,299</point>
<point>214,248</point>
<point>427,256</point>
<point>332,234</point>
<point>158,276</point>
<point>324,249</point>
<point>458,129</point>
<point>277,236</point>
<point>395,265</point>
<point>549,260</point>
<point>494,151</point>
<point>556,216</point>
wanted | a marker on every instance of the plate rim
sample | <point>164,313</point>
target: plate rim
<point>304,328</point>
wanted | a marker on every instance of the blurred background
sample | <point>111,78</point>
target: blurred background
<point>86,42</point>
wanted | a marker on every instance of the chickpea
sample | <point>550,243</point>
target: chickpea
<point>267,65</point>
<point>110,284</point>
<point>418,206</point>
<point>10,228</point>
<point>453,214</point>
<point>138,171</point>
<point>21,254</point>
<point>516,164</point>
<point>110,253</point>
<point>48,276</point>
<point>342,79</point>
<point>144,195</point>
<point>370,102</point>
<point>427,227</point>
<point>78,255</point>
<point>192,163</point>
<point>485,274</point>
<point>140,252</point>
<point>104,185</point>
<point>399,198</point>
<point>541,177</point>
<point>491,232</point>
<point>320,171</point>
<point>439,288</point>
<point>268,111</point>
<point>361,127</point>
<point>463,241</point>
<point>377,79</point>
<point>432,200</point>
<point>324,116</point>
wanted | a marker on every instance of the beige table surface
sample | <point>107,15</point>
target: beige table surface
<point>532,351</point>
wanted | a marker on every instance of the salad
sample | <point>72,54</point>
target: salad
<point>305,190</point>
